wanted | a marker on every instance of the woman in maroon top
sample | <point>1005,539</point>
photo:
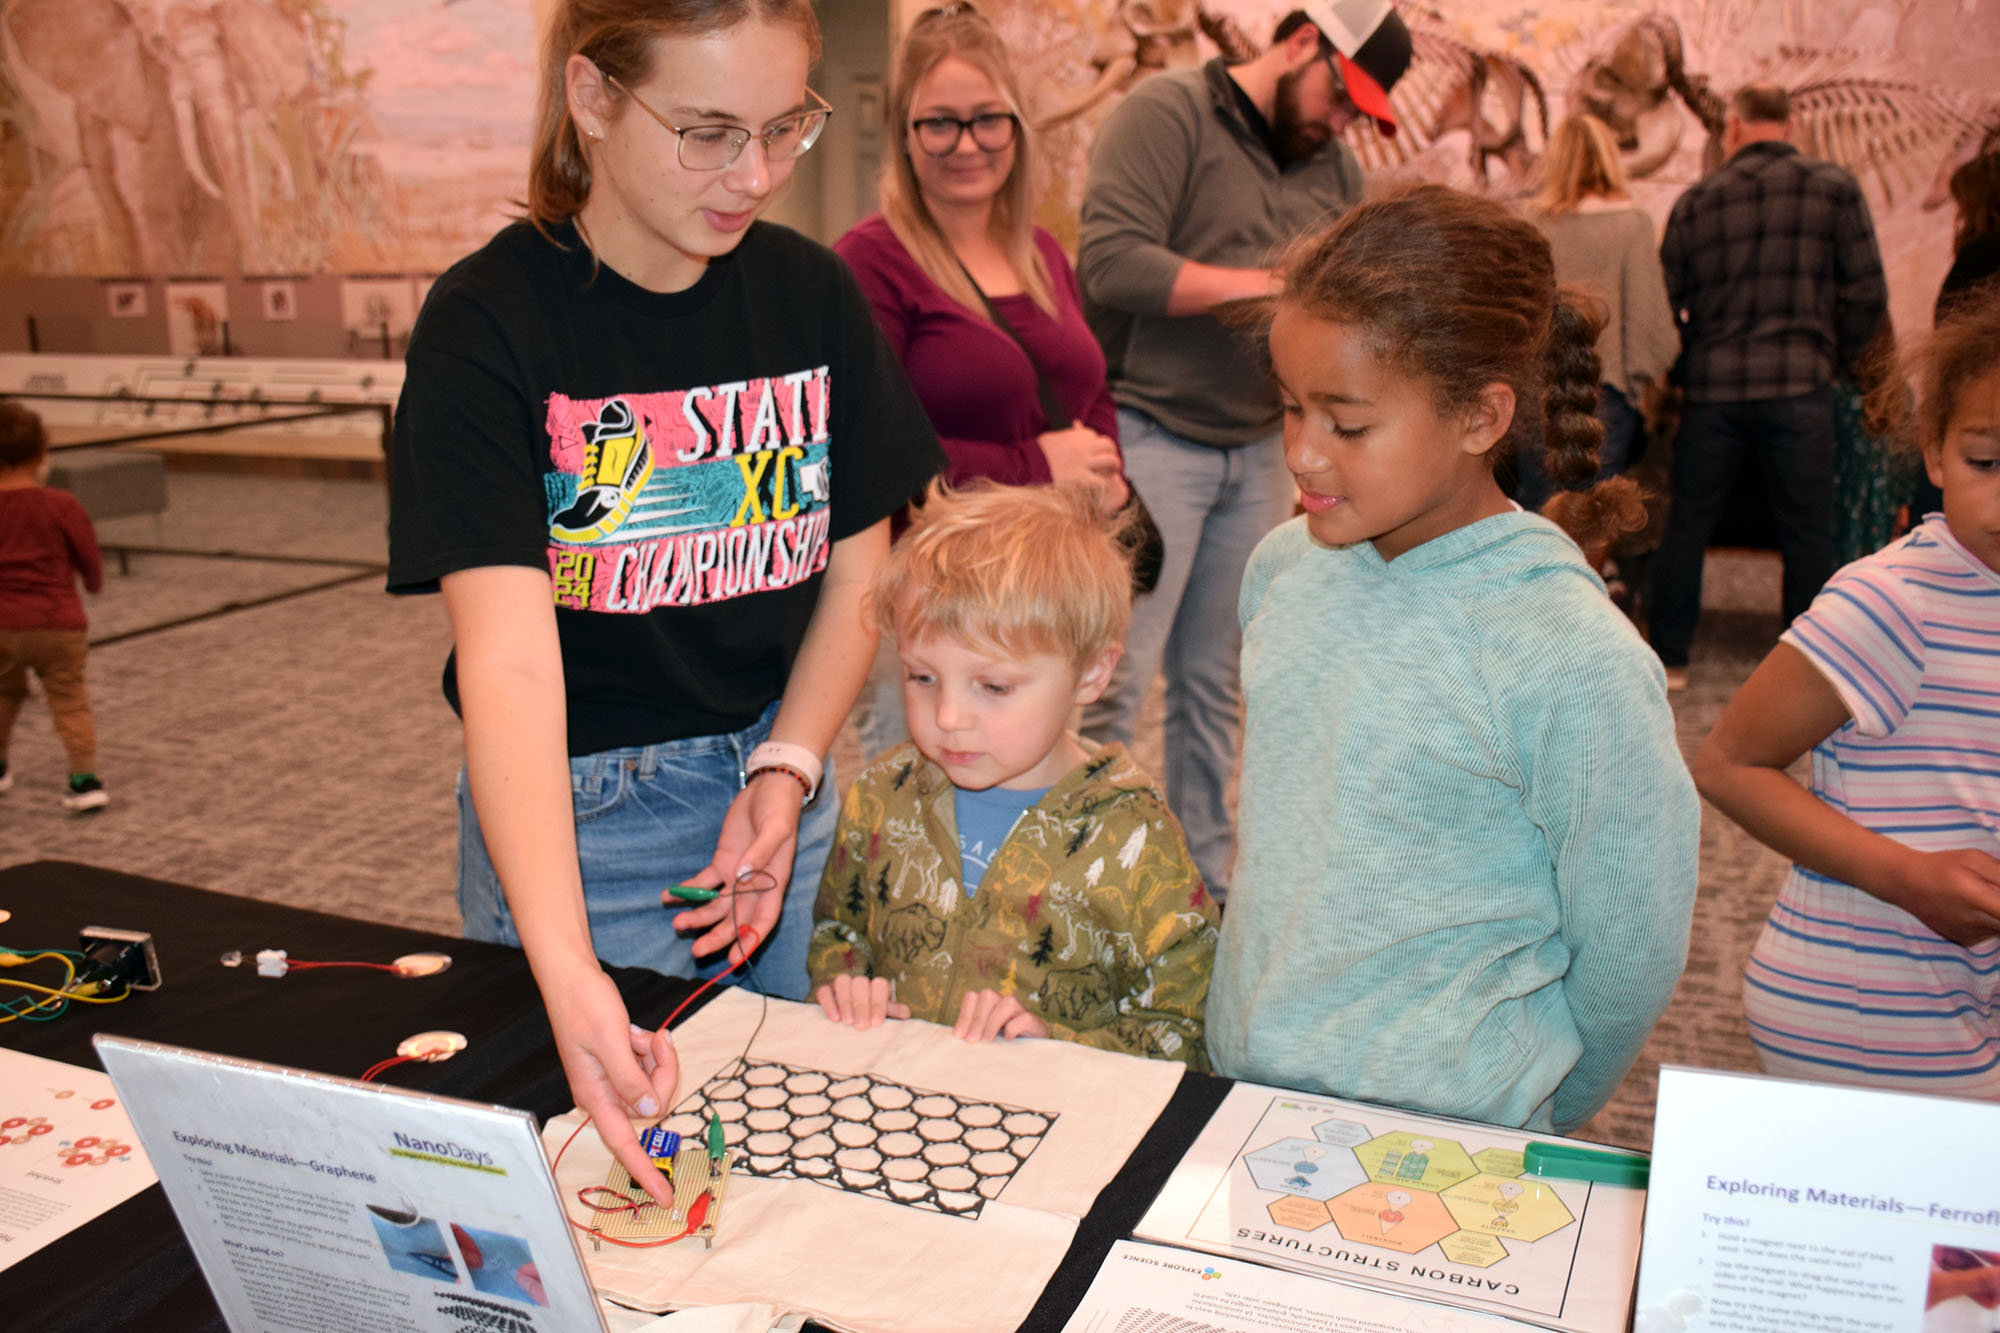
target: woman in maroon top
<point>955,234</point>
<point>957,210</point>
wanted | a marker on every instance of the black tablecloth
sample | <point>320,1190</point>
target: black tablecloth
<point>132,1269</point>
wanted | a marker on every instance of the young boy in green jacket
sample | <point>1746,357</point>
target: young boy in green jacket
<point>995,873</point>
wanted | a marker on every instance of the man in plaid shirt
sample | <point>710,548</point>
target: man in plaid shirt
<point>1772,269</point>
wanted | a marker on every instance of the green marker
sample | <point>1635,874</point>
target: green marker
<point>1560,1161</point>
<point>694,893</point>
<point>715,1148</point>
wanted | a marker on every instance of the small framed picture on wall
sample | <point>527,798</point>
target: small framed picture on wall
<point>280,302</point>
<point>125,300</point>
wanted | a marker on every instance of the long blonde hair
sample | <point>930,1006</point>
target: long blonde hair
<point>962,31</point>
<point>1583,160</point>
<point>617,36</point>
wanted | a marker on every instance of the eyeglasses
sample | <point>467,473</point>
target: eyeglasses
<point>1343,101</point>
<point>991,132</point>
<point>713,147</point>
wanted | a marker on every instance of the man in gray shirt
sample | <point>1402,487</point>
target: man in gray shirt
<point>1197,183</point>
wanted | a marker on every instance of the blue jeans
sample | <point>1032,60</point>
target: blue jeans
<point>647,818</point>
<point>1213,506</point>
<point>1792,441</point>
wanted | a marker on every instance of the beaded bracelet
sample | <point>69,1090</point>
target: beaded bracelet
<point>805,783</point>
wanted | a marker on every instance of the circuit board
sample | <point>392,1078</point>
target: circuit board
<point>694,1174</point>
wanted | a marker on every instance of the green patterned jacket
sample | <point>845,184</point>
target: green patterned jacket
<point>1091,911</point>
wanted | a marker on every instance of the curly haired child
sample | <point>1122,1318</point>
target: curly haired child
<point>46,543</point>
<point>994,873</point>
<point>1880,962</point>
<point>1468,839</point>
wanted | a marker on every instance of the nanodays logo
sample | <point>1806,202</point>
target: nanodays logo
<point>1210,1275</point>
<point>443,1148</point>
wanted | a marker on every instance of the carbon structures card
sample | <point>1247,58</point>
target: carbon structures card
<point>1439,1210</point>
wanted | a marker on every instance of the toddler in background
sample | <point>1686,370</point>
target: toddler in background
<point>994,872</point>
<point>1880,962</point>
<point>45,541</point>
<point>1468,840</point>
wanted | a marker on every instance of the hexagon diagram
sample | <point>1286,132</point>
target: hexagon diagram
<point>1472,1249</point>
<point>1499,1162</point>
<point>1411,1161</point>
<point>1526,1210</point>
<point>1299,1214</point>
<point>1392,1217</point>
<point>1304,1167</point>
<point>1346,1133</point>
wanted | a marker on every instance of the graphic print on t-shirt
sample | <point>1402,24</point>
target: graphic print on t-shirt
<point>688,496</point>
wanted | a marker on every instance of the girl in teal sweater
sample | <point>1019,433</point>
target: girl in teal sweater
<point>1468,840</point>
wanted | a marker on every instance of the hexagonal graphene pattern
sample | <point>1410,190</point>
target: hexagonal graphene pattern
<point>866,1135</point>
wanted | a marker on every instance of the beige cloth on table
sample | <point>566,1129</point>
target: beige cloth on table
<point>862,1263</point>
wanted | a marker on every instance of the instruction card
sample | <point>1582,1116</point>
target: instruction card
<point>67,1152</point>
<point>1418,1206</point>
<point>323,1204</point>
<point>1153,1289</point>
<point>1786,1205</point>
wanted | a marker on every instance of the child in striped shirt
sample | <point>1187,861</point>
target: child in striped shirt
<point>1880,963</point>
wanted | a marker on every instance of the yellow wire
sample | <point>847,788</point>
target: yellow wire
<point>64,994</point>
<point>54,1002</point>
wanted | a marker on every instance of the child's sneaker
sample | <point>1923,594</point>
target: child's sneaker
<point>85,793</point>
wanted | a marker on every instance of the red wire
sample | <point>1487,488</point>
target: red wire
<point>382,1066</point>
<point>295,966</point>
<point>698,1210</point>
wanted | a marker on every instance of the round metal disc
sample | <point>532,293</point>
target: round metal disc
<point>422,964</point>
<point>432,1046</point>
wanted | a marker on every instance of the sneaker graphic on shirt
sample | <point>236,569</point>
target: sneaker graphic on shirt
<point>617,461</point>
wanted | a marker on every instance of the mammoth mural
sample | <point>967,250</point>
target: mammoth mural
<point>159,133</point>
<point>1898,91</point>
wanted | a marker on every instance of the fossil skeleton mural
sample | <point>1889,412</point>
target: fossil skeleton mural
<point>1898,135</point>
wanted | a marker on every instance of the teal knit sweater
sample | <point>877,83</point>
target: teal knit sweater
<point>1467,838</point>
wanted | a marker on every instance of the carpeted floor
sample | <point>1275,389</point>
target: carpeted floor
<point>296,748</point>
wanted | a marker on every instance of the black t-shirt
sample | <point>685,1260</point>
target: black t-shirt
<point>679,463</point>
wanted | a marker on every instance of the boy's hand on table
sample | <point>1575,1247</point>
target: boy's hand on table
<point>861,1002</point>
<point>987,1014</point>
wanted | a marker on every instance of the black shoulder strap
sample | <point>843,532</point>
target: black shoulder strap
<point>1053,411</point>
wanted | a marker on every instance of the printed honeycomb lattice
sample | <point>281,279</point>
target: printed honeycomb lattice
<point>866,1135</point>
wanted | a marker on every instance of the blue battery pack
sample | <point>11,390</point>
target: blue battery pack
<point>660,1144</point>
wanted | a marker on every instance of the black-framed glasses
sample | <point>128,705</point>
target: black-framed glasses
<point>991,131</point>
<point>1343,101</point>
<point>713,147</point>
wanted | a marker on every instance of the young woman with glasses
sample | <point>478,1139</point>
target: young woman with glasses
<point>648,447</point>
<point>977,302</point>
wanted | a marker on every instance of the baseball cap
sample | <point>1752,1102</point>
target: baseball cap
<point>1371,48</point>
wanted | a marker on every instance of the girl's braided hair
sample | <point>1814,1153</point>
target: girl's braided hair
<point>1460,292</point>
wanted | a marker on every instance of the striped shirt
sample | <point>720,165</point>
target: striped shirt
<point>1842,986</point>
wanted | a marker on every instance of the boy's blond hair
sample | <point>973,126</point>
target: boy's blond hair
<point>1015,569</point>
